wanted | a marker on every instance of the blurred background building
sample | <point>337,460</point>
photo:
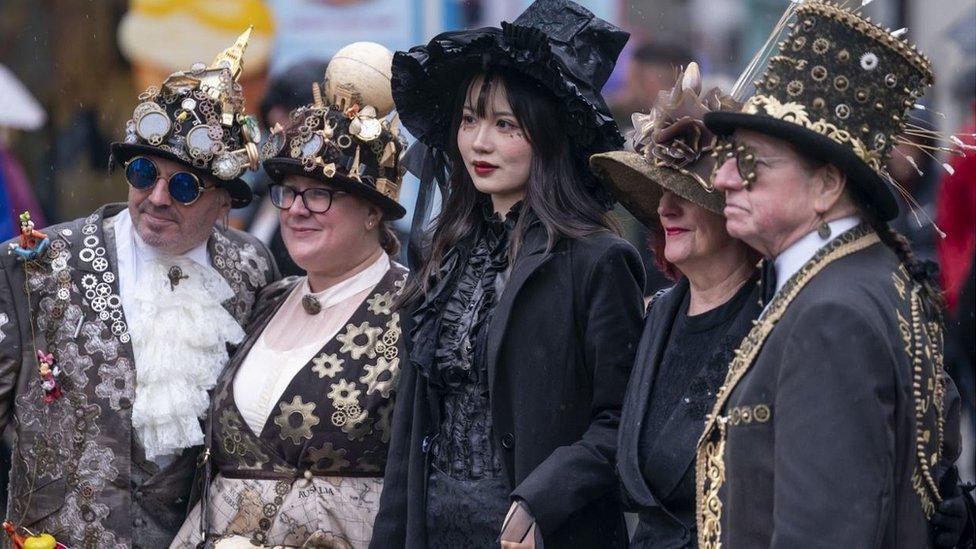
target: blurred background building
<point>70,71</point>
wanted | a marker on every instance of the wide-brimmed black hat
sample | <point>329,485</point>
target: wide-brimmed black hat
<point>559,44</point>
<point>342,139</point>
<point>839,89</point>
<point>672,152</point>
<point>197,118</point>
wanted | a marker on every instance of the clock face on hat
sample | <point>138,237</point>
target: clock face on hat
<point>153,126</point>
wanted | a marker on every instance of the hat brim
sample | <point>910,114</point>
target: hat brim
<point>239,190</point>
<point>873,189</point>
<point>425,81</point>
<point>279,168</point>
<point>638,185</point>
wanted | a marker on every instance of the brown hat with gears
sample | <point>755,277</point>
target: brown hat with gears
<point>197,118</point>
<point>673,151</point>
<point>840,89</point>
<point>343,138</point>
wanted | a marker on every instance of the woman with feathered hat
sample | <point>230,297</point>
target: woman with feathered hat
<point>523,315</point>
<point>836,426</point>
<point>300,421</point>
<point>692,328</point>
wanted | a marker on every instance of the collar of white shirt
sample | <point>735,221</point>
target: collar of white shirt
<point>362,281</point>
<point>790,260</point>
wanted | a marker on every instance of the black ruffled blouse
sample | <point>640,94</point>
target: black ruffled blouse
<point>466,489</point>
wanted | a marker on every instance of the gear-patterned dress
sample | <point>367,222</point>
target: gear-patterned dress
<point>314,473</point>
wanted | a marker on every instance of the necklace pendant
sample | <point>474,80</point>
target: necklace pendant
<point>311,305</point>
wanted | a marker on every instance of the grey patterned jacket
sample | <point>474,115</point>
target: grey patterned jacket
<point>78,472</point>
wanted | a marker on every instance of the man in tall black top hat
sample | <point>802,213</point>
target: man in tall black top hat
<point>115,326</point>
<point>836,425</point>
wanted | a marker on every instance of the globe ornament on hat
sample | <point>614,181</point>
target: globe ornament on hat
<point>197,118</point>
<point>840,89</point>
<point>344,138</point>
<point>672,151</point>
<point>560,45</point>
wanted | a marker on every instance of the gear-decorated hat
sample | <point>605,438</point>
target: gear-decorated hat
<point>556,43</point>
<point>197,118</point>
<point>673,151</point>
<point>343,138</point>
<point>840,88</point>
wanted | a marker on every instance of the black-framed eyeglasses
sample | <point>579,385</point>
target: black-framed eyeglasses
<point>315,199</point>
<point>142,173</point>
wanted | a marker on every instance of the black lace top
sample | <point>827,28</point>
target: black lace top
<point>467,495</point>
<point>464,446</point>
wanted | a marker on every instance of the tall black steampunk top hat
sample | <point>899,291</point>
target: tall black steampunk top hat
<point>672,151</point>
<point>840,88</point>
<point>344,139</point>
<point>197,119</point>
<point>557,43</point>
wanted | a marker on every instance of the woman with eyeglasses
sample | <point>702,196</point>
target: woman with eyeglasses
<point>300,419</point>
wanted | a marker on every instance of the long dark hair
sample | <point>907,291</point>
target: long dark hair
<point>561,192</point>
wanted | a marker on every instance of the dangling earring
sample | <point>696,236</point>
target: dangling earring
<point>823,230</point>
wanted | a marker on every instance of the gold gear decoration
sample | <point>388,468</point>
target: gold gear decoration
<point>309,420</point>
<point>327,365</point>
<point>373,373</point>
<point>353,333</point>
<point>381,304</point>
<point>344,394</point>
<point>335,458</point>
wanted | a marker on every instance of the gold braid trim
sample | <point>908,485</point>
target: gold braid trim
<point>796,113</point>
<point>710,459</point>
<point>926,487</point>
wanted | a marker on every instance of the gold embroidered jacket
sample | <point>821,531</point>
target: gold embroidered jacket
<point>836,420</point>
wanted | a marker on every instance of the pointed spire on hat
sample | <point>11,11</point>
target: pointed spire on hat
<point>233,57</point>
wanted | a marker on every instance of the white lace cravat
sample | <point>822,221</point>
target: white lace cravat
<point>179,336</point>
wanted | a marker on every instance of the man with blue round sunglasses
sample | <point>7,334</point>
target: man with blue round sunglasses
<point>112,336</point>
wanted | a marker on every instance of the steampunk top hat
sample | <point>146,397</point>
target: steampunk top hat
<point>839,88</point>
<point>197,118</point>
<point>344,138</point>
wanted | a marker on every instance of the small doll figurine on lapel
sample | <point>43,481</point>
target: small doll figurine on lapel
<point>49,376</point>
<point>32,243</point>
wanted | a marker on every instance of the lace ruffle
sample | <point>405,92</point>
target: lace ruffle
<point>179,337</point>
<point>457,308</point>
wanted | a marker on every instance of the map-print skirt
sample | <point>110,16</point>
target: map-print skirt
<point>334,512</point>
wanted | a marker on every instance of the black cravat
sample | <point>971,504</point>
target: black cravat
<point>768,281</point>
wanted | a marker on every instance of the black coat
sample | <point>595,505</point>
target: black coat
<point>559,351</point>
<point>822,441</point>
<point>674,451</point>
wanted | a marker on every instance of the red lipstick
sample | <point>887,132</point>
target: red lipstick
<point>674,231</point>
<point>483,169</point>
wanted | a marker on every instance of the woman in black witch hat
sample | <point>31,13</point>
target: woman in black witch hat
<point>523,316</point>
